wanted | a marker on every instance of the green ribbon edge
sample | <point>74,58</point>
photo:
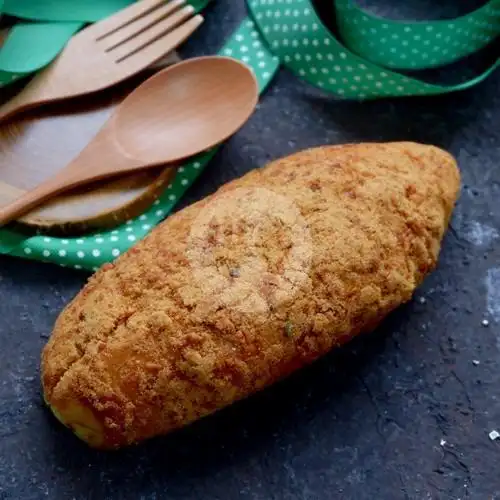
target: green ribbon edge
<point>86,11</point>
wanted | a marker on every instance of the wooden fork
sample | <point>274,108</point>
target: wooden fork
<point>108,52</point>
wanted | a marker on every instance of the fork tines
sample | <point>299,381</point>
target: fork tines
<point>143,23</point>
<point>136,11</point>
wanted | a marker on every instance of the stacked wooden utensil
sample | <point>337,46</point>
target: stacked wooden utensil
<point>87,158</point>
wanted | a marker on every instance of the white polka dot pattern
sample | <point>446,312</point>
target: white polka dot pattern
<point>297,36</point>
<point>416,45</point>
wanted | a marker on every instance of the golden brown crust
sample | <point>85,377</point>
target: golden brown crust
<point>195,317</point>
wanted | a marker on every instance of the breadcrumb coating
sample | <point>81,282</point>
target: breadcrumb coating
<point>246,286</point>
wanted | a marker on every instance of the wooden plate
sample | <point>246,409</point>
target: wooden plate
<point>35,146</point>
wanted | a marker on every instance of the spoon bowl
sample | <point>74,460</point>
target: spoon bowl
<point>181,111</point>
<point>199,104</point>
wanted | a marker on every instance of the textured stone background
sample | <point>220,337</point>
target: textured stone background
<point>403,413</point>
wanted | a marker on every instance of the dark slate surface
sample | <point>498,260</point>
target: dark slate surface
<point>403,413</point>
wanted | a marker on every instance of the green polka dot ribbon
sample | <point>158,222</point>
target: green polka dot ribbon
<point>361,64</point>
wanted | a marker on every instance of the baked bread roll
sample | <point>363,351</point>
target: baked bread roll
<point>246,286</point>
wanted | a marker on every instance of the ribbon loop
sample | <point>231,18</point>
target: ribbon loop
<point>360,65</point>
<point>416,45</point>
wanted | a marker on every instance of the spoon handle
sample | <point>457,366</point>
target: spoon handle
<point>33,198</point>
<point>96,162</point>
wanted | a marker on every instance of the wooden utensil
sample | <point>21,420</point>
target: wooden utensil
<point>179,112</point>
<point>109,51</point>
<point>32,149</point>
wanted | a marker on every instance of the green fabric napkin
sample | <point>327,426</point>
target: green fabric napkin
<point>360,64</point>
<point>45,41</point>
<point>63,10</point>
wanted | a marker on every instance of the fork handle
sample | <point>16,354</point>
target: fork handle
<point>12,106</point>
<point>27,98</point>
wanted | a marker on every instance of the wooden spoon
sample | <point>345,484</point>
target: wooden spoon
<point>179,112</point>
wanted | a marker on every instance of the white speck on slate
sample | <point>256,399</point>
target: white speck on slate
<point>485,322</point>
<point>493,294</point>
<point>475,362</point>
<point>481,234</point>
<point>422,300</point>
<point>442,442</point>
<point>494,435</point>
